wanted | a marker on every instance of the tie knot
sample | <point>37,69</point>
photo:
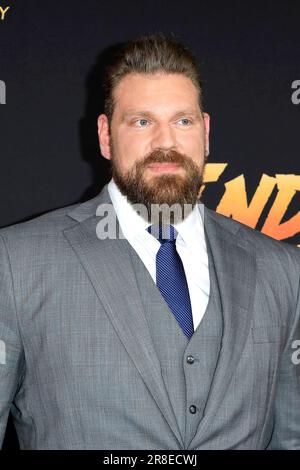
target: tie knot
<point>163,233</point>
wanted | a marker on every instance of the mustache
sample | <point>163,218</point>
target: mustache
<point>159,156</point>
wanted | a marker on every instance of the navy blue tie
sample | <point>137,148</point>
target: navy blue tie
<point>170,277</point>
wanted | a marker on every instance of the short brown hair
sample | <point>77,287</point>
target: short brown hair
<point>149,55</point>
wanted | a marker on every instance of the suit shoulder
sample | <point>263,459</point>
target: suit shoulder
<point>50,223</point>
<point>263,245</point>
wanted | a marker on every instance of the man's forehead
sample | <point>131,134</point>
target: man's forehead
<point>144,94</point>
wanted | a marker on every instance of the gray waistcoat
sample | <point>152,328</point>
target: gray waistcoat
<point>187,382</point>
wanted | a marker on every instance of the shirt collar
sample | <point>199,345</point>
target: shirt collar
<point>191,229</point>
<point>132,224</point>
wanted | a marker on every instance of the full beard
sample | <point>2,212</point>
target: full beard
<point>166,198</point>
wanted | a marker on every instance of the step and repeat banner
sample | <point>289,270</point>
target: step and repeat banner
<point>51,63</point>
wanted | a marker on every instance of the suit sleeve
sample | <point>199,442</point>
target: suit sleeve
<point>11,351</point>
<point>286,432</point>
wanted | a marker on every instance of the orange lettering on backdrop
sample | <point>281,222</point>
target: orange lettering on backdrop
<point>234,202</point>
<point>212,173</point>
<point>287,185</point>
<point>3,11</point>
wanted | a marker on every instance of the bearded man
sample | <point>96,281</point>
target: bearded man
<point>179,332</point>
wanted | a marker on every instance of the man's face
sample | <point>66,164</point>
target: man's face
<point>157,139</point>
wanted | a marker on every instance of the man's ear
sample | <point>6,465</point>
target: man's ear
<point>206,119</point>
<point>104,136</point>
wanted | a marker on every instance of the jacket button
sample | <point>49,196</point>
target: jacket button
<point>190,359</point>
<point>193,409</point>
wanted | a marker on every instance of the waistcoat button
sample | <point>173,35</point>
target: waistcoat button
<point>190,359</point>
<point>193,409</point>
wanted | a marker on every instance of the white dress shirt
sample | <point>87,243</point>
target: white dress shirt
<point>190,245</point>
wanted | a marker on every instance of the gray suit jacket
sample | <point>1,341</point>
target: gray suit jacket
<point>78,368</point>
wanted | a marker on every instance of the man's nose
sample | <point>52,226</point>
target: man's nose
<point>164,138</point>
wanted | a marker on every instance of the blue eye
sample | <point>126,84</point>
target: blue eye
<point>185,121</point>
<point>143,122</point>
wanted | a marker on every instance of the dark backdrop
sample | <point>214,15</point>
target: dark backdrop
<point>51,57</point>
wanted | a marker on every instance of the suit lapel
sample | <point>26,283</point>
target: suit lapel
<point>109,268</point>
<point>236,271</point>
